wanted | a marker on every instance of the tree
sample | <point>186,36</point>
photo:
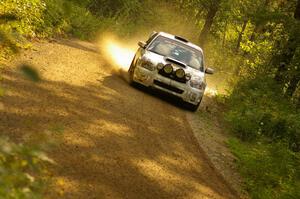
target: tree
<point>241,35</point>
<point>287,57</point>
<point>212,11</point>
<point>296,75</point>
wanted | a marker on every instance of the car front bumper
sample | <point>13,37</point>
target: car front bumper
<point>153,79</point>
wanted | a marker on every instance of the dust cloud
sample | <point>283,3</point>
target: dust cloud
<point>118,53</point>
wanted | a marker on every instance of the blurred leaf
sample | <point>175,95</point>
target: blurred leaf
<point>6,40</point>
<point>30,73</point>
<point>22,170</point>
<point>42,156</point>
<point>8,17</point>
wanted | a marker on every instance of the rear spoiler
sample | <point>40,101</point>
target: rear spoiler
<point>181,39</point>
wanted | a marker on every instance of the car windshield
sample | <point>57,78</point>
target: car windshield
<point>176,50</point>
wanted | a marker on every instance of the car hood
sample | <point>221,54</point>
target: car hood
<point>156,59</point>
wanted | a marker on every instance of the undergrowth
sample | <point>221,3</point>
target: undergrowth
<point>270,170</point>
<point>268,128</point>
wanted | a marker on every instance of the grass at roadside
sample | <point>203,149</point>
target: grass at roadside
<point>270,171</point>
<point>267,143</point>
<point>269,168</point>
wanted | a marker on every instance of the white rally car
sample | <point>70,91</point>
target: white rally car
<point>172,64</point>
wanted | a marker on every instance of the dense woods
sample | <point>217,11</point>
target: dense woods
<point>253,44</point>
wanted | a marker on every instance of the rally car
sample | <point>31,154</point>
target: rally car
<point>172,64</point>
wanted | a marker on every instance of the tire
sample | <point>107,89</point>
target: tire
<point>130,73</point>
<point>193,107</point>
<point>131,66</point>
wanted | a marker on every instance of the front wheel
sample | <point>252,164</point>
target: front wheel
<point>130,72</point>
<point>193,107</point>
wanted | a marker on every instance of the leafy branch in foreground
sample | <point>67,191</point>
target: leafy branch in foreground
<point>30,73</point>
<point>21,170</point>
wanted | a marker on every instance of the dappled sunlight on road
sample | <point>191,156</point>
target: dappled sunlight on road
<point>117,142</point>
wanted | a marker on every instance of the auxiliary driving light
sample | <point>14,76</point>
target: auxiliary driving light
<point>180,73</point>
<point>160,66</point>
<point>168,69</point>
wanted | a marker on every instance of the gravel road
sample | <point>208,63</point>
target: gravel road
<point>117,141</point>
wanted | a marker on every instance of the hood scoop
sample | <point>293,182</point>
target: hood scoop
<point>176,62</point>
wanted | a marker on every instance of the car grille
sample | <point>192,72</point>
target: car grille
<point>172,76</point>
<point>166,86</point>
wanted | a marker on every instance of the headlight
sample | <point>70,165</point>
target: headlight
<point>147,64</point>
<point>196,83</point>
<point>180,73</point>
<point>188,76</point>
<point>168,69</point>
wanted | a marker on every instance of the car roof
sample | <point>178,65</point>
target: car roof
<point>170,36</point>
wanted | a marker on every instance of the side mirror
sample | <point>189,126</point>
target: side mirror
<point>142,44</point>
<point>209,71</point>
<point>152,34</point>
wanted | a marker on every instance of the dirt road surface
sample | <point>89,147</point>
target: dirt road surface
<point>117,141</point>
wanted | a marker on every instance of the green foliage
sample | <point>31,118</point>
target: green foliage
<point>66,17</point>
<point>271,171</point>
<point>21,19</point>
<point>21,168</point>
<point>28,15</point>
<point>7,44</point>
<point>257,109</point>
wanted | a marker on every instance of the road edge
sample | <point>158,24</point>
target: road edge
<point>193,120</point>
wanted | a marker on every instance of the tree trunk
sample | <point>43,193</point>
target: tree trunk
<point>259,27</point>
<point>297,11</point>
<point>241,36</point>
<point>285,60</point>
<point>287,56</point>
<point>208,22</point>
<point>224,35</point>
<point>293,85</point>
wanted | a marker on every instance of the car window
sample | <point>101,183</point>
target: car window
<point>178,51</point>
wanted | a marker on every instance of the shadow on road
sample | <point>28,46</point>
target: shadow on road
<point>168,98</point>
<point>117,142</point>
